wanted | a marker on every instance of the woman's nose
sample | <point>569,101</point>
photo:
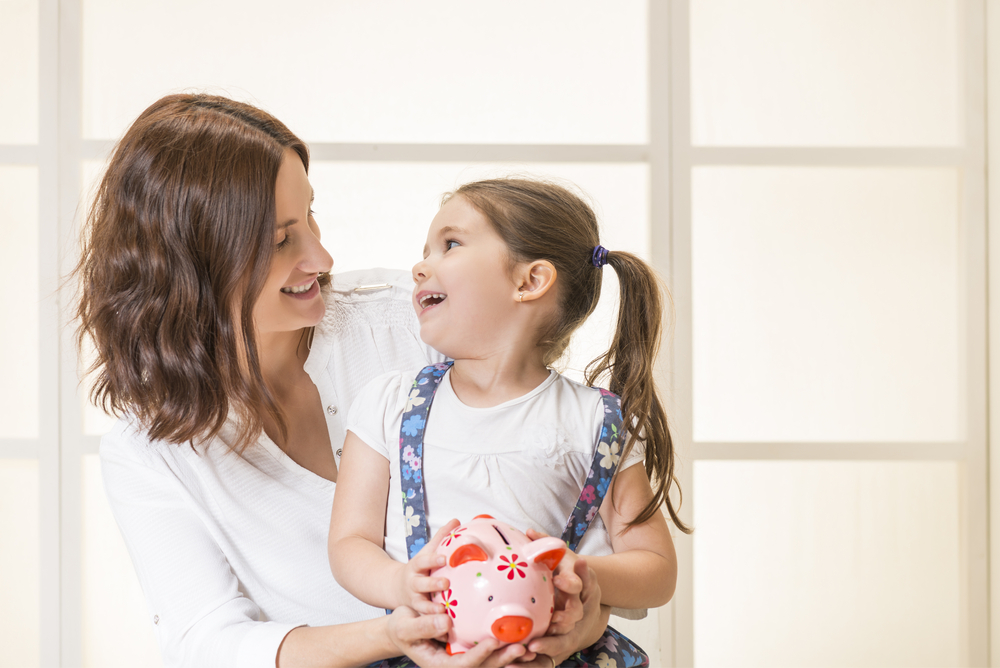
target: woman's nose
<point>315,257</point>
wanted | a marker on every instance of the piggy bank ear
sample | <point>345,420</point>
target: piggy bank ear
<point>467,552</point>
<point>548,551</point>
<point>551,558</point>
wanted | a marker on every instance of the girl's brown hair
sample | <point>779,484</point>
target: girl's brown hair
<point>175,251</point>
<point>544,221</point>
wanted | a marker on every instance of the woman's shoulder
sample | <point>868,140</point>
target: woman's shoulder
<point>128,454</point>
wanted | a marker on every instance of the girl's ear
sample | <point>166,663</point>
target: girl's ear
<point>535,279</point>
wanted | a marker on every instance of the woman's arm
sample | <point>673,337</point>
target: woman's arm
<point>642,573</point>
<point>199,615</point>
<point>357,526</point>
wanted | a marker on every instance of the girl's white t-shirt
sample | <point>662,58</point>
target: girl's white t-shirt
<point>524,461</point>
<point>231,549</point>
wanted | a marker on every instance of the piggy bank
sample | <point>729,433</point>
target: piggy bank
<point>501,583</point>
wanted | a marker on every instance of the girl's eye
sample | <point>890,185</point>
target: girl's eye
<point>284,242</point>
<point>451,243</point>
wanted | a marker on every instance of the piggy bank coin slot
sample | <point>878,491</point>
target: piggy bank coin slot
<point>505,541</point>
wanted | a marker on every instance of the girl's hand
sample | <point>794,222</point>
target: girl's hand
<point>414,636</point>
<point>569,585</point>
<point>415,585</point>
<point>581,620</point>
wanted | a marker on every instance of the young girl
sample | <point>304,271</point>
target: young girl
<point>511,269</point>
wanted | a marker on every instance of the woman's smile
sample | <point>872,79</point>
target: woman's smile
<point>306,290</point>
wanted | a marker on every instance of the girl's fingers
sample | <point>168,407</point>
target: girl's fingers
<point>426,561</point>
<point>440,535</point>
<point>428,585</point>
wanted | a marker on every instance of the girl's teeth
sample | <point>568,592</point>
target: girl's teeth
<point>298,290</point>
<point>438,298</point>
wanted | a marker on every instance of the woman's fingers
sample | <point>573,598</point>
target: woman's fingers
<point>408,627</point>
<point>425,607</point>
<point>486,654</point>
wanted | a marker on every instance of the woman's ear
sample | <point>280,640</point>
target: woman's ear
<point>535,279</point>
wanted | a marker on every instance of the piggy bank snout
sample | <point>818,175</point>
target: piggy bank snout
<point>512,628</point>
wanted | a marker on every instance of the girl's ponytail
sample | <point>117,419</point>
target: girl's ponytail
<point>629,363</point>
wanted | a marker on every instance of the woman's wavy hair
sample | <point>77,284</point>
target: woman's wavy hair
<point>543,221</point>
<point>175,251</point>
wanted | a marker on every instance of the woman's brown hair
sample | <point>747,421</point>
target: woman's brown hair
<point>544,221</point>
<point>175,251</point>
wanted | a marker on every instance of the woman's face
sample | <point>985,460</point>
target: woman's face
<point>291,299</point>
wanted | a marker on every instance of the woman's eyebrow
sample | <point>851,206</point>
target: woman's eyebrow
<point>287,223</point>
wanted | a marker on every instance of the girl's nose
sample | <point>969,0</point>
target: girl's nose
<point>419,271</point>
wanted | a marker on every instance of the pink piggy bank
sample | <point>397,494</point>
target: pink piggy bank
<point>501,583</point>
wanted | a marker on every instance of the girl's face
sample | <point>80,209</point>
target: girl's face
<point>464,292</point>
<point>291,299</point>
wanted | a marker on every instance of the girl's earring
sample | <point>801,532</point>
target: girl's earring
<point>520,297</point>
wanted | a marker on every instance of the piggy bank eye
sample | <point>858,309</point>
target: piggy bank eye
<point>490,598</point>
<point>532,599</point>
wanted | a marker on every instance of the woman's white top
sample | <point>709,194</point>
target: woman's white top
<point>523,461</point>
<point>231,550</point>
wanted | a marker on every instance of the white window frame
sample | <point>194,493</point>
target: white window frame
<point>970,453</point>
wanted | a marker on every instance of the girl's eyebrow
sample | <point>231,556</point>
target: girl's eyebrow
<point>445,231</point>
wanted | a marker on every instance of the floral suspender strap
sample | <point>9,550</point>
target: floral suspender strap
<point>411,455</point>
<point>613,650</point>
<point>602,469</point>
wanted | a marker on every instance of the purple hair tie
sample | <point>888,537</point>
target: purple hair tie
<point>599,258</point>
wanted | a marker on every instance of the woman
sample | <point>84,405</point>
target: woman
<point>232,358</point>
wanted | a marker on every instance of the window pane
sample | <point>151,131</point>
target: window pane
<point>377,215</point>
<point>395,71</point>
<point>825,72</point>
<point>19,71</point>
<point>19,557</point>
<point>19,266</point>
<point>826,304</point>
<point>826,564</point>
<point>117,631</point>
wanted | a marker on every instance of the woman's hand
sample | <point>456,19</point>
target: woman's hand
<point>415,635</point>
<point>414,584</point>
<point>579,620</point>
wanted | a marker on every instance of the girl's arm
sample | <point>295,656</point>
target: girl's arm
<point>642,573</point>
<point>357,527</point>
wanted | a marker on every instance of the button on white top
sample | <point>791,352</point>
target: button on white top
<point>332,410</point>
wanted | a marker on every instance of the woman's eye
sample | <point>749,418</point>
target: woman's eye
<point>451,243</point>
<point>284,242</point>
